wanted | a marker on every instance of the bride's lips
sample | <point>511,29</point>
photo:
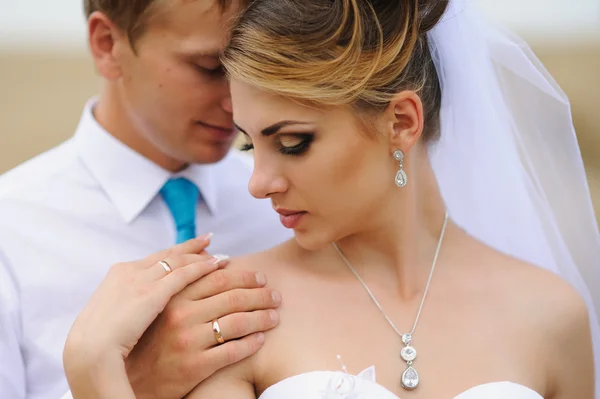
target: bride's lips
<point>290,218</point>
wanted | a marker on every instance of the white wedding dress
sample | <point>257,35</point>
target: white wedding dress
<point>341,385</point>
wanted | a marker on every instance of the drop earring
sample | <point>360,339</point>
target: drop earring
<point>401,179</point>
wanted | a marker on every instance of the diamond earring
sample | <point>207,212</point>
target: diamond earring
<point>401,178</point>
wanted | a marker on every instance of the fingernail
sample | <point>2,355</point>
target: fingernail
<point>276,297</point>
<point>206,237</point>
<point>219,258</point>
<point>260,337</point>
<point>261,279</point>
<point>274,316</point>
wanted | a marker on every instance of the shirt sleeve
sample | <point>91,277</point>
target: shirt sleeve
<point>12,367</point>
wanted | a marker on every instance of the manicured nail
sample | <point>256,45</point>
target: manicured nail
<point>206,237</point>
<point>219,258</point>
<point>276,297</point>
<point>261,279</point>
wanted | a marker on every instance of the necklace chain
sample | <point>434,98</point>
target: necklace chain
<point>437,252</point>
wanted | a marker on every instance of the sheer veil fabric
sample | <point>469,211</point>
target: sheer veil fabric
<point>508,161</point>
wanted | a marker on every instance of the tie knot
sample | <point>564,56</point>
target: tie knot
<point>181,197</point>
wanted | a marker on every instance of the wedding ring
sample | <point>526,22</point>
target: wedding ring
<point>217,331</point>
<point>165,266</point>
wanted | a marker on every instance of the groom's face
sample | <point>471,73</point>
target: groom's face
<point>172,85</point>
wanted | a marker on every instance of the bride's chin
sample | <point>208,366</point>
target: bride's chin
<point>312,240</point>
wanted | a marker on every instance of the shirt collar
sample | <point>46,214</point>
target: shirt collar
<point>129,179</point>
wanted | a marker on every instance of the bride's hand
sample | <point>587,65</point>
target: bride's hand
<point>127,301</point>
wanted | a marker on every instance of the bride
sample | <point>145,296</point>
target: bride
<point>428,167</point>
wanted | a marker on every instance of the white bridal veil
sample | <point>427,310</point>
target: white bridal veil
<point>508,162</point>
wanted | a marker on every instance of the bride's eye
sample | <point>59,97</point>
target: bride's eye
<point>247,146</point>
<point>295,144</point>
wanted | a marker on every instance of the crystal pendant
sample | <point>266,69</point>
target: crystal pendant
<point>408,353</point>
<point>407,339</point>
<point>410,378</point>
<point>401,178</point>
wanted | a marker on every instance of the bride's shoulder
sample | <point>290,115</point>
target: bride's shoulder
<point>275,263</point>
<point>530,288</point>
<point>539,298</point>
<point>539,313</point>
<point>536,288</point>
<point>552,316</point>
<point>519,288</point>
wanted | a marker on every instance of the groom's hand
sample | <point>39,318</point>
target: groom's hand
<point>180,350</point>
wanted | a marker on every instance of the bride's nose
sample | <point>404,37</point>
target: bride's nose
<point>266,179</point>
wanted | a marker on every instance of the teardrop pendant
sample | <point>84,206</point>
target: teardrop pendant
<point>401,178</point>
<point>410,379</point>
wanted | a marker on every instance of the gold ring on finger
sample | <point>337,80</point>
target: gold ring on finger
<point>217,331</point>
<point>165,266</point>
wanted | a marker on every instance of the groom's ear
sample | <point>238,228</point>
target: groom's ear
<point>106,42</point>
<point>405,120</point>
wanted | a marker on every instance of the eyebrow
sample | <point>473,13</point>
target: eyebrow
<point>274,128</point>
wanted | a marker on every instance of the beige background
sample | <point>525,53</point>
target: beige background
<point>41,97</point>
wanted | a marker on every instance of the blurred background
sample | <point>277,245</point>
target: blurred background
<point>46,74</point>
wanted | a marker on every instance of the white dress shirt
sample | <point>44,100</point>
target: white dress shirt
<point>67,215</point>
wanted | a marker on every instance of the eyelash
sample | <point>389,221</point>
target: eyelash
<point>296,150</point>
<point>246,147</point>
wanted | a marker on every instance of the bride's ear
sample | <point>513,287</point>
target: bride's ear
<point>405,121</point>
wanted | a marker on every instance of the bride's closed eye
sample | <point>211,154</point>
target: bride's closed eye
<point>295,144</point>
<point>289,144</point>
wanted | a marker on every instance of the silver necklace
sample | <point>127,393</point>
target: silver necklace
<point>410,378</point>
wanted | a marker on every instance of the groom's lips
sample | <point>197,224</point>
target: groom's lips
<point>219,133</point>
<point>290,218</point>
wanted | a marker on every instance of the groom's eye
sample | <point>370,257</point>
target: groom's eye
<point>213,71</point>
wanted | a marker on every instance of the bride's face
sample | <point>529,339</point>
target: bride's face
<point>323,172</point>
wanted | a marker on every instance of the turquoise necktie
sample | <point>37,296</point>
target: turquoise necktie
<point>181,196</point>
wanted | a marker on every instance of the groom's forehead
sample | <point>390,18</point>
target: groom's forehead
<point>192,15</point>
<point>157,7</point>
<point>194,28</point>
<point>135,17</point>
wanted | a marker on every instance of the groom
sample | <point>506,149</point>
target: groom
<point>149,165</point>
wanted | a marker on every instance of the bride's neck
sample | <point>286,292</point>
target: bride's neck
<point>401,241</point>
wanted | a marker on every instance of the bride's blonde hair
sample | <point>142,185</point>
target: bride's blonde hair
<point>357,53</point>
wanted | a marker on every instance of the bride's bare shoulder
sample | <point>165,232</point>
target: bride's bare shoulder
<point>544,307</point>
<point>535,289</point>
<point>275,263</point>
<point>511,285</point>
